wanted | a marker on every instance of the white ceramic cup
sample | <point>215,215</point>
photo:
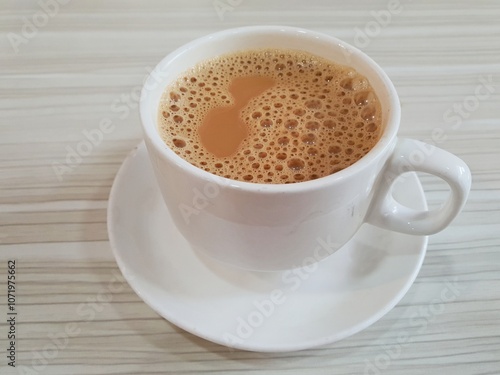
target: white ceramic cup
<point>282,226</point>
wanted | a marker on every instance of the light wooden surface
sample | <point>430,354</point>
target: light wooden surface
<point>68,75</point>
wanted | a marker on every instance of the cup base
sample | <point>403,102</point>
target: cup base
<point>257,311</point>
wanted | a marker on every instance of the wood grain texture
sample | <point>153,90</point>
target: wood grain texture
<point>66,78</point>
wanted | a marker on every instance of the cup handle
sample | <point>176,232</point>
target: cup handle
<point>412,155</point>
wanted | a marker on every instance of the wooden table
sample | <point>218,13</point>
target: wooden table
<point>65,66</point>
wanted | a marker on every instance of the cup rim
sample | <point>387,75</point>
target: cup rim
<point>384,143</point>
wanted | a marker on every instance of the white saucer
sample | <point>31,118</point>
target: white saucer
<point>346,293</point>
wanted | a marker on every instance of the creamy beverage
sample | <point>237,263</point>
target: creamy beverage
<point>270,116</point>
